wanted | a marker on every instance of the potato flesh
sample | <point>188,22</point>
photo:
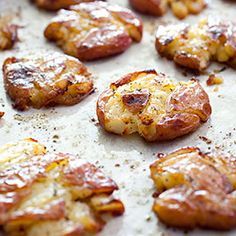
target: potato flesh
<point>183,8</point>
<point>121,120</point>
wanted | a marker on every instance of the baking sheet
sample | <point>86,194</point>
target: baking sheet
<point>74,129</point>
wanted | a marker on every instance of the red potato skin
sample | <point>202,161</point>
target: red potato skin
<point>153,7</point>
<point>224,219</point>
<point>114,31</point>
<point>55,211</point>
<point>184,115</point>
<point>54,5</point>
<point>175,126</point>
<point>103,43</point>
<point>205,197</point>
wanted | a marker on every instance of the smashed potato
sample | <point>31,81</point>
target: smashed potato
<point>94,30</point>
<point>195,46</point>
<point>58,4</point>
<point>180,8</point>
<point>8,33</point>
<point>52,194</point>
<point>153,105</point>
<point>46,79</point>
<point>196,190</point>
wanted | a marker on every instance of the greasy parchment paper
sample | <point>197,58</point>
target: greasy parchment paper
<point>126,159</point>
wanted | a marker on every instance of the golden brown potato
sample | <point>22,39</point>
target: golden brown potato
<point>94,30</point>
<point>153,105</point>
<point>46,79</point>
<point>195,46</point>
<point>180,8</point>
<point>8,33</point>
<point>52,194</point>
<point>196,189</point>
<point>53,5</point>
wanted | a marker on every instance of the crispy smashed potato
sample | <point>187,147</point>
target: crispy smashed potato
<point>94,30</point>
<point>153,105</point>
<point>58,4</point>
<point>52,194</point>
<point>195,46</point>
<point>8,33</point>
<point>180,8</point>
<point>196,190</point>
<point>46,79</point>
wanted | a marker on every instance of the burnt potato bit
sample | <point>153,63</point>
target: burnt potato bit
<point>8,33</point>
<point>46,79</point>
<point>196,189</point>
<point>197,45</point>
<point>54,5</point>
<point>180,8</point>
<point>52,194</point>
<point>94,30</point>
<point>153,105</point>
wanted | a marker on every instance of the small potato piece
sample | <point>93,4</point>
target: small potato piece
<point>214,80</point>
<point>180,8</point>
<point>54,5</point>
<point>153,105</point>
<point>153,7</point>
<point>46,79</point>
<point>94,30</point>
<point>52,194</point>
<point>196,190</point>
<point>195,46</point>
<point>8,33</point>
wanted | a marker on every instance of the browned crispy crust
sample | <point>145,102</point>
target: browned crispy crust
<point>196,190</point>
<point>82,180</point>
<point>94,30</point>
<point>180,9</point>
<point>8,33</point>
<point>54,5</point>
<point>46,79</point>
<point>217,43</point>
<point>186,108</point>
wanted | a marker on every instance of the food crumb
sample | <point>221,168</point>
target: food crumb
<point>214,80</point>
<point>148,218</point>
<point>205,139</point>
<point>55,137</point>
